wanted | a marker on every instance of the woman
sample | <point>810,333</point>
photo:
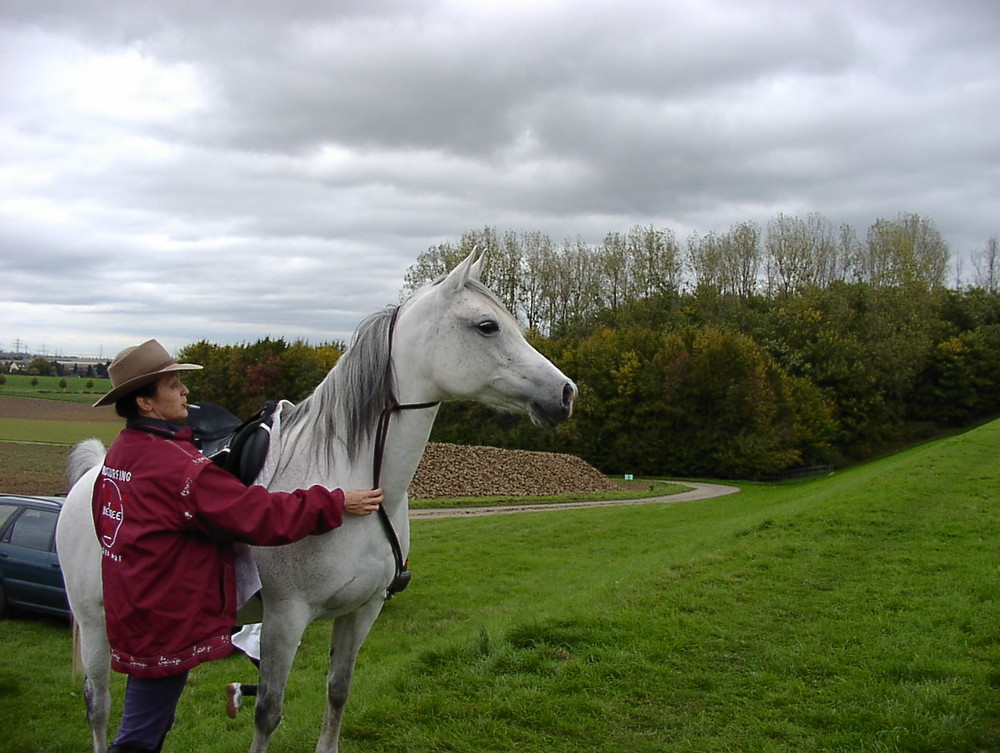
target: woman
<point>167,519</point>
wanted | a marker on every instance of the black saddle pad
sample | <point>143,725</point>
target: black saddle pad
<point>237,446</point>
<point>211,423</point>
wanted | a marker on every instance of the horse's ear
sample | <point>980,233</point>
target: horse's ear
<point>468,268</point>
<point>476,273</point>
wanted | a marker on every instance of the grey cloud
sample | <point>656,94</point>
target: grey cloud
<point>272,168</point>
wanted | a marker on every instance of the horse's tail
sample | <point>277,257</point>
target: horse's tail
<point>82,458</point>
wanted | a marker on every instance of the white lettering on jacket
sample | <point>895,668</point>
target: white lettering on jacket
<point>116,474</point>
<point>113,510</point>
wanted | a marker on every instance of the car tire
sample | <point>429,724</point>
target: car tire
<point>3,602</point>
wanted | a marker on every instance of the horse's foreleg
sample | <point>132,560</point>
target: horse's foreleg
<point>349,633</point>
<point>280,635</point>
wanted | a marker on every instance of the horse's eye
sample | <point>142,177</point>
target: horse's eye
<point>488,327</point>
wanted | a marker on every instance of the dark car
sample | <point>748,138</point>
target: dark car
<point>30,577</point>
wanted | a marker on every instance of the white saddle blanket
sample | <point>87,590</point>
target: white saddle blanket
<point>247,578</point>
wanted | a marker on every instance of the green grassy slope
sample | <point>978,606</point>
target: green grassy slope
<point>852,613</point>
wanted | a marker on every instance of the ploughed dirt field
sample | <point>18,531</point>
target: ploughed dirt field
<point>446,470</point>
<point>54,410</point>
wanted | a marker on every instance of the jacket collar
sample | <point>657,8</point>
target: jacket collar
<point>161,428</point>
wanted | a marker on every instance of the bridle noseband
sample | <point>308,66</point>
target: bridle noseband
<point>401,579</point>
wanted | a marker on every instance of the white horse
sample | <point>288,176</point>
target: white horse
<point>452,340</point>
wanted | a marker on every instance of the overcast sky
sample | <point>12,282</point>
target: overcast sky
<point>227,171</point>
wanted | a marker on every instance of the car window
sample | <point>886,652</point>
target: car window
<point>5,512</point>
<point>34,529</point>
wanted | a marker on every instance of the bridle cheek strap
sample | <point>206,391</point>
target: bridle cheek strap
<point>401,579</point>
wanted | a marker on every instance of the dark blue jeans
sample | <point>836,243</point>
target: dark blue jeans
<point>148,715</point>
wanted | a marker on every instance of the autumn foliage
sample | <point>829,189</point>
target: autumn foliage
<point>740,356</point>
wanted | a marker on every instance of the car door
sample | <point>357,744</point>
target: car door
<point>31,568</point>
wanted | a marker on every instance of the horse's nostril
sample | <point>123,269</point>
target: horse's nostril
<point>569,392</point>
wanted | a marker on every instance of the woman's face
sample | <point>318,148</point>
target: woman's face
<point>169,401</point>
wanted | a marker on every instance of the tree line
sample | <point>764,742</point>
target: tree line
<point>738,355</point>
<point>557,288</point>
<point>243,377</point>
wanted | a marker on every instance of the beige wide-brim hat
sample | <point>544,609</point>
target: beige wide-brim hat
<point>139,365</point>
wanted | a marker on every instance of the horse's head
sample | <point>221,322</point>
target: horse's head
<point>454,340</point>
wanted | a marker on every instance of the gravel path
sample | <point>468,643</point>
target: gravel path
<point>698,491</point>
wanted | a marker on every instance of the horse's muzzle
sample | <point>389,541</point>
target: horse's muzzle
<point>549,414</point>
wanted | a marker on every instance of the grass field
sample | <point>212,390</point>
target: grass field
<point>852,613</point>
<point>49,387</point>
<point>56,432</point>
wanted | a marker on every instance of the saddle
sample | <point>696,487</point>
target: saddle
<point>234,445</point>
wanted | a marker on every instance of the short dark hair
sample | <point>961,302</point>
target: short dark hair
<point>127,407</point>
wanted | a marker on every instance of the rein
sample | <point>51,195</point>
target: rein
<point>401,579</point>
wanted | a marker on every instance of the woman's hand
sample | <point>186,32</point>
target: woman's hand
<point>362,501</point>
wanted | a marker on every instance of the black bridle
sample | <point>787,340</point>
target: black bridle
<point>401,579</point>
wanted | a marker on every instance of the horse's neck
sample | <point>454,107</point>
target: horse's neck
<point>409,431</point>
<point>407,437</point>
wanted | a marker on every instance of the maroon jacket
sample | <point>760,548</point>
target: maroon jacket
<point>167,518</point>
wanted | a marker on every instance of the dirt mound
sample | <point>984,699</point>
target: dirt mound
<point>446,470</point>
<point>449,470</point>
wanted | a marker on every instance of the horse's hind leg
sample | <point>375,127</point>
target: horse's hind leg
<point>96,658</point>
<point>80,557</point>
<point>349,633</point>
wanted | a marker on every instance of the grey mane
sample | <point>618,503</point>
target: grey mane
<point>346,404</point>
